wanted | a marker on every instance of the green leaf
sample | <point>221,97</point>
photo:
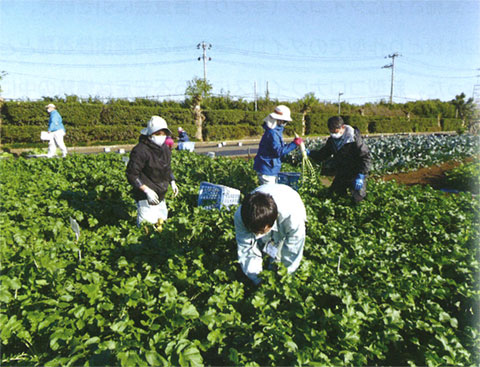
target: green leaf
<point>189,311</point>
<point>190,356</point>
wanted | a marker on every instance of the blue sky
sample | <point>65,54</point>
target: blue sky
<point>127,49</point>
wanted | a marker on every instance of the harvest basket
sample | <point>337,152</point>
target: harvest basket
<point>289,178</point>
<point>186,145</point>
<point>212,196</point>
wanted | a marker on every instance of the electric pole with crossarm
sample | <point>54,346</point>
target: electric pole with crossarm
<point>204,57</point>
<point>392,65</point>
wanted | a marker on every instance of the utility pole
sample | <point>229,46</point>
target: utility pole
<point>204,57</point>
<point>339,108</point>
<point>267,94</point>
<point>392,65</point>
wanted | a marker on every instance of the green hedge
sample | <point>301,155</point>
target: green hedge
<point>89,122</point>
<point>81,134</point>
<point>228,132</point>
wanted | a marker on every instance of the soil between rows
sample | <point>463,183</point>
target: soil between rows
<point>433,175</point>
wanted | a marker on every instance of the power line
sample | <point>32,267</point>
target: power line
<point>135,51</point>
<point>291,57</point>
<point>21,62</point>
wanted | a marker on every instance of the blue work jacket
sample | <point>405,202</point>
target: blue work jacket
<point>271,150</point>
<point>55,122</point>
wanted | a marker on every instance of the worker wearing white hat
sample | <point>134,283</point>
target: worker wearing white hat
<point>271,149</point>
<point>56,132</point>
<point>149,172</point>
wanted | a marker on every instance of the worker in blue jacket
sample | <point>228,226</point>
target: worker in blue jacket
<point>56,132</point>
<point>267,162</point>
<point>182,135</point>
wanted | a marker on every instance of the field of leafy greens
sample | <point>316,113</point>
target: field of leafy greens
<point>393,281</point>
<point>394,153</point>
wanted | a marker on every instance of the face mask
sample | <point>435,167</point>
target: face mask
<point>158,139</point>
<point>337,135</point>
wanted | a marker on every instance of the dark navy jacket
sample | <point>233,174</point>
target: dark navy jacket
<point>183,137</point>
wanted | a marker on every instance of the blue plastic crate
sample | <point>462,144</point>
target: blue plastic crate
<point>186,145</point>
<point>289,178</point>
<point>212,196</point>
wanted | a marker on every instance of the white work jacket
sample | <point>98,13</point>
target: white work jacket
<point>288,233</point>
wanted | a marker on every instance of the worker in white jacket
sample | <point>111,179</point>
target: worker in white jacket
<point>271,220</point>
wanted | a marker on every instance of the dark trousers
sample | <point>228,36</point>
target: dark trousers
<point>341,185</point>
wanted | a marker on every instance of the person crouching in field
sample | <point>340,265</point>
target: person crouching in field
<point>268,162</point>
<point>271,220</point>
<point>351,158</point>
<point>149,172</point>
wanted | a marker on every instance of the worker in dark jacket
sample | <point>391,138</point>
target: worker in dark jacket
<point>149,172</point>
<point>351,158</point>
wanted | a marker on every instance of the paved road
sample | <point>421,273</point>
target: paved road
<point>245,147</point>
<point>228,148</point>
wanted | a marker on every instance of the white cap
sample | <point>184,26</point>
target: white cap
<point>281,113</point>
<point>155,124</point>
<point>50,105</point>
<point>179,129</point>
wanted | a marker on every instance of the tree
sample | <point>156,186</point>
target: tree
<point>2,74</point>
<point>197,90</point>
<point>306,104</point>
<point>463,109</point>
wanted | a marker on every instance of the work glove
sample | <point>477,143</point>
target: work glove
<point>169,142</point>
<point>359,181</point>
<point>174,188</point>
<point>298,141</point>
<point>152,196</point>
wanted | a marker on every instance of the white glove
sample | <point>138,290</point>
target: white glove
<point>152,196</point>
<point>174,188</point>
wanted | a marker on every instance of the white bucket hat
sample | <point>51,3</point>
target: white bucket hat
<point>51,105</point>
<point>281,113</point>
<point>155,124</point>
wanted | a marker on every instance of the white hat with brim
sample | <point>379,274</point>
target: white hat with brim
<point>155,124</point>
<point>50,105</point>
<point>281,113</point>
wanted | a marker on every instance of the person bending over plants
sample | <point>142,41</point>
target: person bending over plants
<point>149,172</point>
<point>351,158</point>
<point>270,220</point>
<point>271,149</point>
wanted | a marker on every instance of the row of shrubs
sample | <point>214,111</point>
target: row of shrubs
<point>89,123</point>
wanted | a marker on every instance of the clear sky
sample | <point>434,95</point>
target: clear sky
<point>127,49</point>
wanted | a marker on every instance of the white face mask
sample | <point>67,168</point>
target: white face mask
<point>337,135</point>
<point>158,139</point>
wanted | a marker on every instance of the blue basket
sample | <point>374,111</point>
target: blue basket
<point>186,145</point>
<point>211,196</point>
<point>289,178</point>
